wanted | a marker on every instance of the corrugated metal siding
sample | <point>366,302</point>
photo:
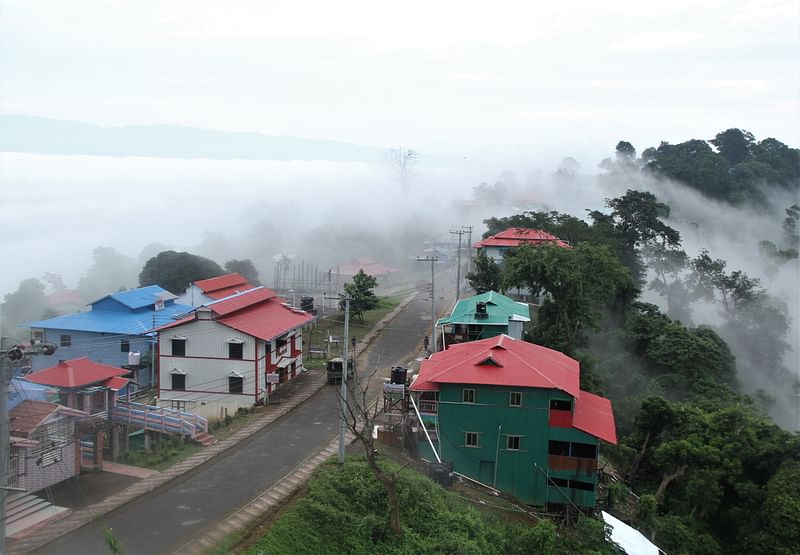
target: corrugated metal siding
<point>99,347</point>
<point>206,338</point>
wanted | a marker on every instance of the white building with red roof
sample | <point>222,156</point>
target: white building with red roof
<point>206,291</point>
<point>495,246</point>
<point>230,354</point>
<point>511,414</point>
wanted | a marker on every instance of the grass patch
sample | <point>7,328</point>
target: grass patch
<point>345,511</point>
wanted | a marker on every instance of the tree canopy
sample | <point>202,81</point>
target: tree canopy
<point>244,268</point>
<point>361,293</point>
<point>174,271</point>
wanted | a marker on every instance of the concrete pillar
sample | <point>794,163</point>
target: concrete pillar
<point>98,451</point>
<point>147,442</point>
<point>126,443</point>
<point>115,442</point>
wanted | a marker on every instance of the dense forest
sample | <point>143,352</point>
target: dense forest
<point>712,471</point>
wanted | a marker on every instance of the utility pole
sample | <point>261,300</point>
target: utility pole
<point>345,365</point>
<point>13,354</point>
<point>432,260</point>
<point>468,229</point>
<point>458,232</point>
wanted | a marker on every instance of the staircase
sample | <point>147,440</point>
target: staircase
<point>24,510</point>
<point>163,420</point>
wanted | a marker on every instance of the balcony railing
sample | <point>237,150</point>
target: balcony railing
<point>428,407</point>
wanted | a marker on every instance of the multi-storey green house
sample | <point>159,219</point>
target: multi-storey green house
<point>511,415</point>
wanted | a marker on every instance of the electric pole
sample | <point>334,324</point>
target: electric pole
<point>432,260</point>
<point>468,229</point>
<point>7,357</point>
<point>458,232</point>
<point>345,365</point>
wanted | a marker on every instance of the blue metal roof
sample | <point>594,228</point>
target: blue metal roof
<point>139,298</point>
<point>106,321</point>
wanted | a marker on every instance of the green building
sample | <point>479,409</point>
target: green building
<point>486,315</point>
<point>511,415</point>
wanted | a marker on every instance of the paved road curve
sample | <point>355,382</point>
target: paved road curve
<point>166,519</point>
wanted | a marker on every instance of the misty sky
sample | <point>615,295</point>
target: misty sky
<point>445,76</point>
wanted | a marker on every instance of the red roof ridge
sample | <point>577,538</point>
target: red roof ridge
<point>221,282</point>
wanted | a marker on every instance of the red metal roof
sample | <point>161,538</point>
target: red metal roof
<point>242,300</point>
<point>369,266</point>
<point>116,383</point>
<point>78,372</point>
<point>228,291</point>
<point>593,415</point>
<point>509,362</point>
<point>267,320</point>
<point>221,282</point>
<point>515,236</point>
<point>500,360</point>
<point>258,312</point>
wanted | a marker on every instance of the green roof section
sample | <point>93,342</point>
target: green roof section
<point>499,310</point>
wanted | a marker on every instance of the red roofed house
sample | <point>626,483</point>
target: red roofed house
<point>511,414</point>
<point>44,449</point>
<point>84,384</point>
<point>495,246</point>
<point>229,353</point>
<point>212,289</point>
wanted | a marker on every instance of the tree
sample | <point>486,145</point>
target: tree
<point>486,276</point>
<point>402,161</point>
<point>244,268</point>
<point>667,262</point>
<point>790,232</point>
<point>174,271</point>
<point>361,415</point>
<point>579,282</point>
<point>110,272</point>
<point>361,293</point>
<point>734,145</point>
<point>27,303</point>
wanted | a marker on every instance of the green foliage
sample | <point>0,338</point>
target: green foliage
<point>27,303</point>
<point>344,511</point>
<point>244,268</point>
<point>174,271</point>
<point>361,293</point>
<point>487,275</point>
<point>736,173</point>
<point>579,283</point>
<point>112,541</point>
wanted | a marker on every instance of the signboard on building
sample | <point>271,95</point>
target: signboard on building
<point>272,377</point>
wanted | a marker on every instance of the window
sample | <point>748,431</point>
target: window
<point>512,443</point>
<point>471,439</point>
<point>66,340</point>
<point>558,448</point>
<point>235,384</point>
<point>557,404</point>
<point>585,486</point>
<point>560,482</point>
<point>178,382</point>
<point>515,399</point>
<point>469,396</point>
<point>124,346</point>
<point>236,350</point>
<point>584,450</point>
<point>178,347</point>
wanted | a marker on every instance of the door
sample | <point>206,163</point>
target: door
<point>486,473</point>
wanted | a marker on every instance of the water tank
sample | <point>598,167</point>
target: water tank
<point>134,358</point>
<point>398,375</point>
<point>442,473</point>
<point>480,311</point>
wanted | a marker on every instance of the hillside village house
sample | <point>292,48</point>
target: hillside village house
<point>114,326</point>
<point>511,415</point>
<point>486,315</point>
<point>213,289</point>
<point>495,246</point>
<point>230,353</point>
<point>44,448</point>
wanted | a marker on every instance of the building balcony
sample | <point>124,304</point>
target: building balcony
<point>428,407</point>
<point>572,464</point>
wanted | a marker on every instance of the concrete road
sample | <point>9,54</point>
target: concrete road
<point>167,518</point>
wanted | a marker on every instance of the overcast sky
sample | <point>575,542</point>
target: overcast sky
<point>447,76</point>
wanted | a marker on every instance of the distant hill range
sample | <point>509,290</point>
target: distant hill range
<point>19,133</point>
